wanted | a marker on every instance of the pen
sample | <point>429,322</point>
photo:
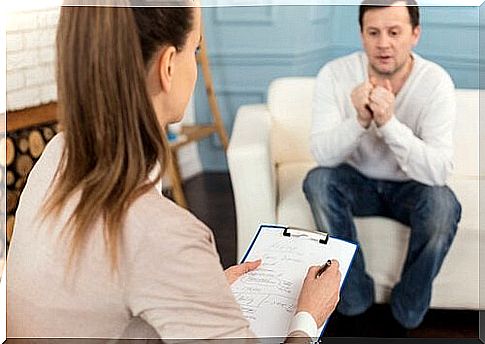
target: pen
<point>324,267</point>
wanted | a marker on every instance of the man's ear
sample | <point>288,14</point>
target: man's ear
<point>166,67</point>
<point>416,35</point>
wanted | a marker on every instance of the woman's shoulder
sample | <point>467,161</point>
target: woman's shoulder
<point>53,149</point>
<point>51,155</point>
<point>153,215</point>
<point>41,177</point>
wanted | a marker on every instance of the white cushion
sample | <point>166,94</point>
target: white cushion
<point>293,210</point>
<point>466,135</point>
<point>467,191</point>
<point>290,104</point>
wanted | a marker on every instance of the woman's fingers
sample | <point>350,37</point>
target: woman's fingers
<point>250,266</point>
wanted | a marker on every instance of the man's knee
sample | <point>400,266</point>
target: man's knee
<point>440,207</point>
<point>317,181</point>
<point>440,200</point>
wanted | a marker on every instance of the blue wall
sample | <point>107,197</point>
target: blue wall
<point>250,46</point>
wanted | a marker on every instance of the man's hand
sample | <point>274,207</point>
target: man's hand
<point>360,99</point>
<point>382,101</point>
<point>236,271</point>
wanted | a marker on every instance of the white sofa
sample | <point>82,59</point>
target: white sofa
<point>269,156</point>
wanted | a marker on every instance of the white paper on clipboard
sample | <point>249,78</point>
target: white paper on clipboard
<point>268,296</point>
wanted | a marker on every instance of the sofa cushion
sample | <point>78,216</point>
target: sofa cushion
<point>467,191</point>
<point>293,208</point>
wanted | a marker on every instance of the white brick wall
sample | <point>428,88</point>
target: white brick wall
<point>15,42</point>
<point>30,40</point>
<point>15,81</point>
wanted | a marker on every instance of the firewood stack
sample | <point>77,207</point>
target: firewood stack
<point>23,148</point>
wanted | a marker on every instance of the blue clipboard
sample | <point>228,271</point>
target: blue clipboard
<point>322,238</point>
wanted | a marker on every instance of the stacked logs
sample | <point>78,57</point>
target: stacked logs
<point>23,148</point>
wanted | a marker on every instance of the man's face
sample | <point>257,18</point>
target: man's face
<point>388,37</point>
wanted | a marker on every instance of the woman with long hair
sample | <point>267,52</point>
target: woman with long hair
<point>96,244</point>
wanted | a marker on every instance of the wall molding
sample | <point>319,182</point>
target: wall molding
<point>453,25</point>
<point>267,18</point>
<point>461,18</point>
<point>311,56</point>
<point>267,57</point>
<point>256,91</point>
<point>228,118</point>
<point>463,60</point>
<point>317,18</point>
<point>334,51</point>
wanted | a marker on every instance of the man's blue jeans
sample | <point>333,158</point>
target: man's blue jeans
<point>433,212</point>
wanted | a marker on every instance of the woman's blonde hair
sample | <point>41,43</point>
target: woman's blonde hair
<point>113,140</point>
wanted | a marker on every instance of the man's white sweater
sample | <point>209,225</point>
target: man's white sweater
<point>417,143</point>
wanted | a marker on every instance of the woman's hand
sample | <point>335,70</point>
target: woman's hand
<point>319,294</point>
<point>236,271</point>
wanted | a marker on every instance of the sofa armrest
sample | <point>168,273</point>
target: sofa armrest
<point>252,172</point>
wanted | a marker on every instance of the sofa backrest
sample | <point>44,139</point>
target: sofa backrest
<point>466,138</point>
<point>290,105</point>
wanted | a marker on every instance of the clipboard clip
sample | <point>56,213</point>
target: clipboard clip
<point>321,237</point>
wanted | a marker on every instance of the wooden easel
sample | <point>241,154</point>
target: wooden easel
<point>197,132</point>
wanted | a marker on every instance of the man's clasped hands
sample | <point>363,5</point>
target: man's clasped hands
<point>374,101</point>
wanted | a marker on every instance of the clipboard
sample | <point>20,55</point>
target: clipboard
<point>268,296</point>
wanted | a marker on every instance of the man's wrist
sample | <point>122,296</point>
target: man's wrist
<point>389,127</point>
<point>380,124</point>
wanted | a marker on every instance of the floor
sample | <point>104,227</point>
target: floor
<point>210,198</point>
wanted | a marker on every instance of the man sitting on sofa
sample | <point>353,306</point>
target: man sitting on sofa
<point>382,136</point>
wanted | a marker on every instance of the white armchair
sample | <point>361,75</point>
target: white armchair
<point>269,156</point>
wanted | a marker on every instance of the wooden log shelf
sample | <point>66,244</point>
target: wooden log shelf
<point>28,132</point>
<point>31,117</point>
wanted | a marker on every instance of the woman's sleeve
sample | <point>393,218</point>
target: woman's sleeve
<point>173,277</point>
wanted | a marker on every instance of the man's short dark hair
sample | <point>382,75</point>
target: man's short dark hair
<point>411,5</point>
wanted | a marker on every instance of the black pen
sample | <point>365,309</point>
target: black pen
<point>324,268</point>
